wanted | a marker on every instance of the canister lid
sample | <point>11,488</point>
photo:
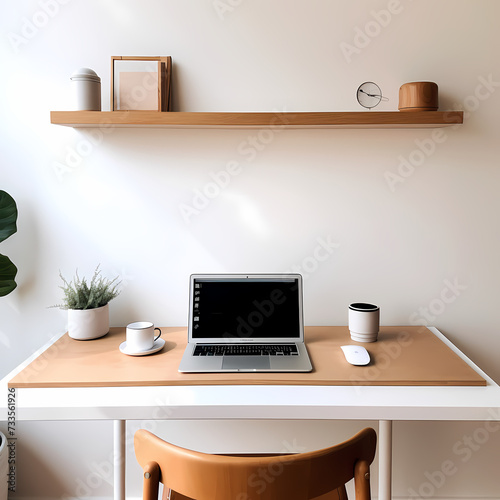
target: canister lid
<point>86,74</point>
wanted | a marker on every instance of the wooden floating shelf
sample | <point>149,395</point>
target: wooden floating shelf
<point>300,120</point>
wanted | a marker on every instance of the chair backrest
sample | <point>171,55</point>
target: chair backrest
<point>301,476</point>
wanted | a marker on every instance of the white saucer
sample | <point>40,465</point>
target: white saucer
<point>157,346</point>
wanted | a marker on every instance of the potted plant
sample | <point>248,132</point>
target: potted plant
<point>8,218</point>
<point>87,305</point>
<point>8,271</point>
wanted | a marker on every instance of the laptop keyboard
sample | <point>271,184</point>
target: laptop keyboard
<point>246,350</point>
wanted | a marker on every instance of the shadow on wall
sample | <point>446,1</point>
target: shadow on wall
<point>63,473</point>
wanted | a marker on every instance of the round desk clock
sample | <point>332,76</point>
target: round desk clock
<point>369,95</point>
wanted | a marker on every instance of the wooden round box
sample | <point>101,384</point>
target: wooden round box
<point>418,96</point>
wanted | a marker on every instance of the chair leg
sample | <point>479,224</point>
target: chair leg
<point>362,480</point>
<point>342,493</point>
<point>151,481</point>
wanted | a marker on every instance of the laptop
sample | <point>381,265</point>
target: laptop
<point>245,323</point>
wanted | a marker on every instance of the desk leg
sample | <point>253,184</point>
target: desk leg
<point>385,459</point>
<point>119,459</point>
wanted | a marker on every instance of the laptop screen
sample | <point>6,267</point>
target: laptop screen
<point>245,307</point>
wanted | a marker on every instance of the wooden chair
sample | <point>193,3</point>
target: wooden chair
<point>185,473</point>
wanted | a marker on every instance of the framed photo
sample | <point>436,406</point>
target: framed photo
<point>140,83</point>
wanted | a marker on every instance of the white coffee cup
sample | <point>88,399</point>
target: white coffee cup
<point>141,336</point>
<point>364,321</point>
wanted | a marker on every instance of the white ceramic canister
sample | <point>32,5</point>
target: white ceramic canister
<point>364,321</point>
<point>86,90</point>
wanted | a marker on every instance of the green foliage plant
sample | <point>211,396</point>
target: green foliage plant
<point>78,294</point>
<point>8,218</point>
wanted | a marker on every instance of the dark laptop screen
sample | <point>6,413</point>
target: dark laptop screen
<point>238,308</point>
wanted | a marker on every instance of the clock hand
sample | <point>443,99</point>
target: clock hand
<point>374,95</point>
<point>369,95</point>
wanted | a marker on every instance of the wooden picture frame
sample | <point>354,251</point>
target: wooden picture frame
<point>140,83</point>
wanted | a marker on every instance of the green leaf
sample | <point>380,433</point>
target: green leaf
<point>78,294</point>
<point>8,272</point>
<point>8,215</point>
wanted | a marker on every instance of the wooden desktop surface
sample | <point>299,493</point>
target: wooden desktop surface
<point>408,356</point>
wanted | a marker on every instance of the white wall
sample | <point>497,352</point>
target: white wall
<point>405,246</point>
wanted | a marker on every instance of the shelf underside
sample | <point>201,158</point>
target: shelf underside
<point>366,119</point>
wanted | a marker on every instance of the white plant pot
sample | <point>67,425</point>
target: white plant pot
<point>4,467</point>
<point>88,324</point>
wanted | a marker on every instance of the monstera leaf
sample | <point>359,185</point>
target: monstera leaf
<point>8,218</point>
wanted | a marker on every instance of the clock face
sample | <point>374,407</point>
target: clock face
<point>369,94</point>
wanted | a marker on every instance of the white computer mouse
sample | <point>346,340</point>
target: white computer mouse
<point>355,354</point>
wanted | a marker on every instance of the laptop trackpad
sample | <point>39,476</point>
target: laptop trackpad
<point>246,363</point>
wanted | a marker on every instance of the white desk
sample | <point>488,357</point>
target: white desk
<point>383,403</point>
